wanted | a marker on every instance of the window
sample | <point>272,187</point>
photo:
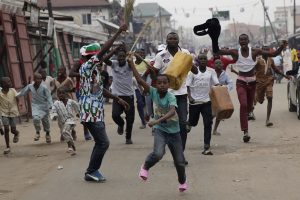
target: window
<point>86,18</point>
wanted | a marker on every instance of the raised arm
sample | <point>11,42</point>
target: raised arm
<point>273,53</point>
<point>106,58</point>
<point>231,52</point>
<point>137,75</point>
<point>110,42</point>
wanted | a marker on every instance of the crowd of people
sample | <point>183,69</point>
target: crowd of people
<point>171,117</point>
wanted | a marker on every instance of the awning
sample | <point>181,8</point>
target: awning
<point>86,32</point>
<point>108,25</point>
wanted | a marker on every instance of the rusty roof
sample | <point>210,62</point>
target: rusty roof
<point>74,3</point>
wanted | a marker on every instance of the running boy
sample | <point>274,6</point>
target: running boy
<point>9,110</point>
<point>166,125</point>
<point>224,79</point>
<point>41,103</point>
<point>64,109</point>
<point>122,86</point>
<point>199,82</point>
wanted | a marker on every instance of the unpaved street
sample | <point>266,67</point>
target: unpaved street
<point>265,169</point>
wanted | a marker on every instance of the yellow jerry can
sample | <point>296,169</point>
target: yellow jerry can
<point>178,69</point>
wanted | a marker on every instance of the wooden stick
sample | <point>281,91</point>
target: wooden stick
<point>141,33</point>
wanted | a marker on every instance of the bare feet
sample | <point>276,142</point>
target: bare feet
<point>216,133</point>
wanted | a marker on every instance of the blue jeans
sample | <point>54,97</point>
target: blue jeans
<point>97,130</point>
<point>173,140</point>
<point>182,111</point>
<point>140,102</point>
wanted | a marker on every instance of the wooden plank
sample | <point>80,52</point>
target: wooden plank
<point>68,49</point>
<point>61,50</point>
<point>12,52</point>
<point>24,46</point>
<point>25,57</point>
<point>14,67</point>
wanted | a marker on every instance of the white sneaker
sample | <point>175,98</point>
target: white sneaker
<point>6,151</point>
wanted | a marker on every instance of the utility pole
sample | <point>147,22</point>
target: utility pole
<point>49,6</point>
<point>265,26</point>
<point>160,26</point>
<point>286,21</point>
<point>268,17</point>
<point>294,16</point>
<point>235,34</point>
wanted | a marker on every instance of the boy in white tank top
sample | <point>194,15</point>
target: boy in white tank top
<point>246,81</point>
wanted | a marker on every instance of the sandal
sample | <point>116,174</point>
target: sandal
<point>71,151</point>
<point>48,139</point>
<point>269,124</point>
<point>207,153</point>
<point>16,137</point>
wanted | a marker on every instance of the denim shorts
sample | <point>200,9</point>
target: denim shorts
<point>9,121</point>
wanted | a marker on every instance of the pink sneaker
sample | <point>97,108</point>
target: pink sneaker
<point>183,187</point>
<point>143,173</point>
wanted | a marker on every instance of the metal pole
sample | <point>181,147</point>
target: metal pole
<point>285,16</point>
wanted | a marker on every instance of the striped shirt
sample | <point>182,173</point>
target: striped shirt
<point>65,113</point>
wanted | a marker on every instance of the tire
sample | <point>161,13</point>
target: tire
<point>291,106</point>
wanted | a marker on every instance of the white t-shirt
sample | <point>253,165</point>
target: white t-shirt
<point>201,83</point>
<point>47,83</point>
<point>162,61</point>
<point>122,84</point>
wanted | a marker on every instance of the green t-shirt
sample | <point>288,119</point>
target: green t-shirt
<point>162,107</point>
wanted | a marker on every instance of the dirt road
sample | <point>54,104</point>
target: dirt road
<point>265,169</point>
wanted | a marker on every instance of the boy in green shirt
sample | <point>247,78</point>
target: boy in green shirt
<point>166,126</point>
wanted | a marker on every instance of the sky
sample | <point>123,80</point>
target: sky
<point>247,11</point>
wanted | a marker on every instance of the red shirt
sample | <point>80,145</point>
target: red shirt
<point>224,60</point>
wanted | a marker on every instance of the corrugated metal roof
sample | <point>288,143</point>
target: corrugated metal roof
<point>149,10</point>
<point>74,3</point>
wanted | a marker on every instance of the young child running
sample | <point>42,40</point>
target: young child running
<point>41,103</point>
<point>199,82</point>
<point>224,79</point>
<point>64,109</point>
<point>122,86</point>
<point>9,110</point>
<point>166,125</point>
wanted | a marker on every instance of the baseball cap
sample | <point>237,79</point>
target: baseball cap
<point>90,49</point>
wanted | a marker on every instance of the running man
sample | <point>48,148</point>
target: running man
<point>246,81</point>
